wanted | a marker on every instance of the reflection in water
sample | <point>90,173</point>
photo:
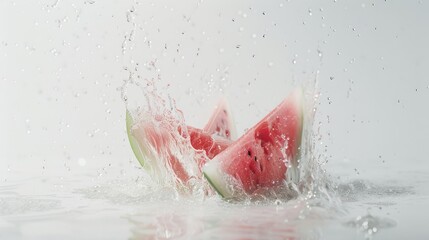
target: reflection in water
<point>214,219</point>
<point>128,209</point>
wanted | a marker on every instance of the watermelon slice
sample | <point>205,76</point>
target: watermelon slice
<point>221,122</point>
<point>155,147</point>
<point>261,157</point>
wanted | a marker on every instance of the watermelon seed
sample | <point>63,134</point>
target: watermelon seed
<point>249,153</point>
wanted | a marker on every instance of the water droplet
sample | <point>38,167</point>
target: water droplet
<point>55,52</point>
<point>81,162</point>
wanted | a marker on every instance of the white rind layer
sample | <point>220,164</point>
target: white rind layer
<point>217,178</point>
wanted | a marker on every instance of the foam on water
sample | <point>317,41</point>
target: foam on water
<point>370,224</point>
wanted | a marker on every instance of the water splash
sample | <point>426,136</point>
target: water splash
<point>173,162</point>
<point>370,225</point>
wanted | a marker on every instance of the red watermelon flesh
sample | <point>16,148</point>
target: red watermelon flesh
<point>159,146</point>
<point>260,158</point>
<point>202,141</point>
<point>221,122</point>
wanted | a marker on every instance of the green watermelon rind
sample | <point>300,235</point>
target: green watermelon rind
<point>218,180</point>
<point>213,185</point>
<point>133,141</point>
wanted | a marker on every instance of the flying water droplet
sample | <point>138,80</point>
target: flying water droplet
<point>81,162</point>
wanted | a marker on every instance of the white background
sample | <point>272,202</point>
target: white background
<point>62,67</point>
